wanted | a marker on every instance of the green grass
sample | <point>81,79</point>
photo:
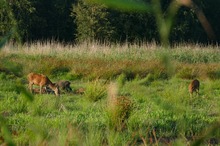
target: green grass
<point>135,95</point>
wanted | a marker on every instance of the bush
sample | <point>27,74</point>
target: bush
<point>95,90</point>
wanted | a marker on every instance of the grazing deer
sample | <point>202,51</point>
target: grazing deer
<point>37,90</point>
<point>41,80</point>
<point>194,87</point>
<point>45,90</point>
<point>64,85</point>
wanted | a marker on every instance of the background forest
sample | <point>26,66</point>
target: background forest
<point>79,20</point>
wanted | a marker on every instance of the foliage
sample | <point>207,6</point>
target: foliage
<point>108,21</point>
<point>55,20</point>
<point>92,22</point>
<point>110,62</point>
<point>80,119</point>
<point>8,23</point>
<point>25,16</point>
<point>146,109</point>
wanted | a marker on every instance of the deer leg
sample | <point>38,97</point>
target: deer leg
<point>31,87</point>
<point>69,89</point>
<point>40,89</point>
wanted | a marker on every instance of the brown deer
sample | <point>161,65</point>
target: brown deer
<point>79,91</point>
<point>194,87</point>
<point>64,85</point>
<point>41,80</point>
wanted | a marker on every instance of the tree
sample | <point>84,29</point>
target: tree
<point>92,21</point>
<point>8,23</point>
<point>133,26</point>
<point>52,20</point>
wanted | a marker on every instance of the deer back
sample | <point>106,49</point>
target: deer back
<point>194,85</point>
<point>38,79</point>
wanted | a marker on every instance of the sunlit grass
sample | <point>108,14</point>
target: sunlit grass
<point>151,101</point>
<point>190,53</point>
<point>108,61</point>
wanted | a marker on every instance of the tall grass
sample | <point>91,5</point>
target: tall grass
<point>149,105</point>
<point>189,53</point>
<point>108,61</point>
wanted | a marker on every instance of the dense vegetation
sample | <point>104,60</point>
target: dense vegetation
<point>123,103</point>
<point>79,20</point>
<point>126,91</point>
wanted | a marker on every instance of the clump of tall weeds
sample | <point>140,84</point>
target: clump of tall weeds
<point>118,107</point>
<point>95,90</point>
<point>121,80</point>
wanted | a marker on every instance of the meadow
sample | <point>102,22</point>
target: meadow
<point>134,95</point>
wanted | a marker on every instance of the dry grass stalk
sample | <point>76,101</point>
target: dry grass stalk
<point>119,108</point>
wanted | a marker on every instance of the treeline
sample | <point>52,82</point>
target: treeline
<point>80,20</point>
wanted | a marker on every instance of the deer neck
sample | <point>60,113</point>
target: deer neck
<point>52,86</point>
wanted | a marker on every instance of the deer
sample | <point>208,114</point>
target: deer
<point>45,90</point>
<point>64,85</point>
<point>194,87</point>
<point>42,81</point>
<point>80,91</point>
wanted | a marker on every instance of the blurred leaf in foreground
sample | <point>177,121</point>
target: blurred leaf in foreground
<point>5,133</point>
<point>207,133</point>
<point>24,91</point>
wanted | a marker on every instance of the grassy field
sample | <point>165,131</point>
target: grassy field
<point>134,95</point>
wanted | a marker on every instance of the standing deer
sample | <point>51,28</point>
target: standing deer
<point>194,87</point>
<point>64,85</point>
<point>41,80</point>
